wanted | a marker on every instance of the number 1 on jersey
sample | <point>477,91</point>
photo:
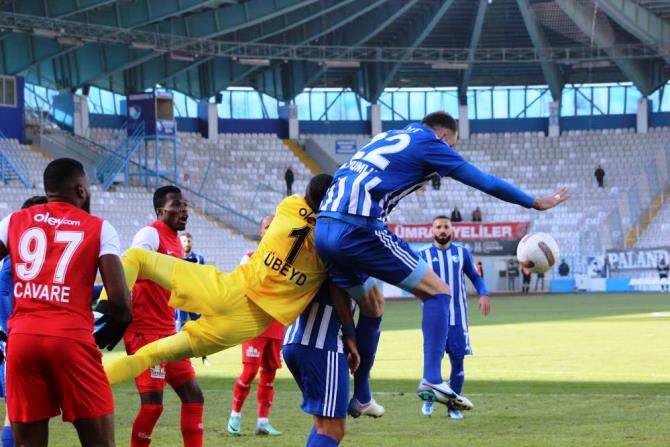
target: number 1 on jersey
<point>300,234</point>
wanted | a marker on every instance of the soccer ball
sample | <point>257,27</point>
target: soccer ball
<point>538,252</point>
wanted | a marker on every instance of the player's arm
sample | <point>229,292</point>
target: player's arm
<point>472,176</point>
<point>471,272</point>
<point>447,162</point>
<point>116,308</point>
<point>342,304</point>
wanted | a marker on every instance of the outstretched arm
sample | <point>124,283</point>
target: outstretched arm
<point>470,175</point>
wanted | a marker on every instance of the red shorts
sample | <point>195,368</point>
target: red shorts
<point>47,375</point>
<point>174,373</point>
<point>263,351</point>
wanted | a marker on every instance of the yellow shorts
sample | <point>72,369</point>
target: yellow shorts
<point>229,318</point>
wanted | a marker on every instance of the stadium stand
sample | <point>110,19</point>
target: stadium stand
<point>242,171</point>
<point>128,209</point>
<point>658,232</point>
<point>540,165</point>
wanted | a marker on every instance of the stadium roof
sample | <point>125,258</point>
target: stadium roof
<point>281,47</point>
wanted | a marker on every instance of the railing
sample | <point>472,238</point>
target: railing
<point>117,159</point>
<point>12,165</point>
<point>638,204</point>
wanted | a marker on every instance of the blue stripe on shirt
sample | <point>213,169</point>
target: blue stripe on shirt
<point>318,326</point>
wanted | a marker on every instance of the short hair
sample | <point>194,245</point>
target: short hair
<point>160,195</point>
<point>441,217</point>
<point>186,234</point>
<point>60,173</point>
<point>316,190</point>
<point>440,119</point>
<point>34,200</point>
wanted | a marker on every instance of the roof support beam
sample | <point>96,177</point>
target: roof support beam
<point>273,30</point>
<point>474,43</point>
<point>353,35</point>
<point>216,22</point>
<point>647,76</point>
<point>412,39</point>
<point>322,29</point>
<point>638,21</point>
<point>65,8</point>
<point>552,74</point>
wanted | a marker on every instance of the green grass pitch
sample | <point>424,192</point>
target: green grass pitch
<point>561,370</point>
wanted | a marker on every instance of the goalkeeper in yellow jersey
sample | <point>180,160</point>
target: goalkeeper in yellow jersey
<point>277,284</point>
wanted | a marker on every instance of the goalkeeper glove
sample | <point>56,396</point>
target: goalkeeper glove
<point>108,331</point>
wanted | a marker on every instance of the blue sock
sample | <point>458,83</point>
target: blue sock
<point>311,435</point>
<point>457,377</point>
<point>434,325</point>
<point>367,337</point>
<point>7,437</point>
<point>320,440</point>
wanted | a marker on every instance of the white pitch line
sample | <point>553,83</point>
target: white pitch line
<point>553,395</point>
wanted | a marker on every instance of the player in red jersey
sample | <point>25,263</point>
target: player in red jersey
<point>154,319</point>
<point>263,351</point>
<point>53,364</point>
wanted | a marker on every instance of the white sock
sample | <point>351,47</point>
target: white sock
<point>263,421</point>
<point>235,413</point>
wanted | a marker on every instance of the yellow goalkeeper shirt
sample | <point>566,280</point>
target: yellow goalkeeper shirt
<point>285,271</point>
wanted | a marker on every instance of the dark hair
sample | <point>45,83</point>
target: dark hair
<point>34,200</point>
<point>60,173</point>
<point>160,195</point>
<point>440,119</point>
<point>186,234</point>
<point>316,190</point>
<point>440,217</point>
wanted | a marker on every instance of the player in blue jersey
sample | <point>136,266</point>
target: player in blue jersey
<point>356,245</point>
<point>453,262</point>
<point>181,317</point>
<point>318,350</point>
<point>6,304</point>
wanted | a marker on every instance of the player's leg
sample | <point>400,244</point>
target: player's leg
<point>181,377</point>
<point>150,385</point>
<point>251,362</point>
<point>33,434</point>
<point>151,409</point>
<point>368,331</point>
<point>209,334</point>
<point>270,363</point>
<point>82,390</point>
<point>329,432</point>
<point>168,349</point>
<point>354,252</point>
<point>7,435</point>
<point>323,397</point>
<point>98,432</point>
<point>192,408</point>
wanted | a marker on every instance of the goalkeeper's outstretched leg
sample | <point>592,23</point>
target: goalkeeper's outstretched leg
<point>168,349</point>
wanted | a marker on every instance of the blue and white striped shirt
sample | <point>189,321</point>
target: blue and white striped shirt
<point>391,166</point>
<point>452,264</point>
<point>318,326</point>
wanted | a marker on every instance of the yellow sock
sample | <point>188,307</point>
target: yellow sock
<point>174,347</point>
<point>154,266</point>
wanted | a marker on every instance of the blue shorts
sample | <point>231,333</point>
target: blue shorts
<point>323,378</point>
<point>354,253</point>
<point>458,341</point>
